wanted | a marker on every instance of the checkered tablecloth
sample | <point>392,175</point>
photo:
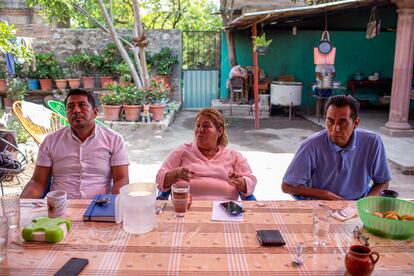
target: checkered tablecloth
<point>195,245</point>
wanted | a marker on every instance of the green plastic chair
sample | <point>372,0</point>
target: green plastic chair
<point>60,109</point>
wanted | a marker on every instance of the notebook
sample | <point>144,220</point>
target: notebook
<point>96,212</point>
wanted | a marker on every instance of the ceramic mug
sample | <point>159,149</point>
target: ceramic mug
<point>56,203</point>
<point>360,260</point>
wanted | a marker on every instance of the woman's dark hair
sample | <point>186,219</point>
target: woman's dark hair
<point>83,92</point>
<point>218,120</point>
<point>344,100</point>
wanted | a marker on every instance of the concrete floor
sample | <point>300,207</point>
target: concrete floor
<point>268,150</point>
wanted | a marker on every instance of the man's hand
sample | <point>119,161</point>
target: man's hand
<point>238,182</point>
<point>183,173</point>
<point>331,196</point>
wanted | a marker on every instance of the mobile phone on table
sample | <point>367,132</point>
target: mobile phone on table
<point>72,267</point>
<point>232,208</point>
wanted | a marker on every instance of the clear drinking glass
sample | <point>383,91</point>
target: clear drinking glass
<point>321,221</point>
<point>11,209</point>
<point>180,198</point>
<point>4,230</point>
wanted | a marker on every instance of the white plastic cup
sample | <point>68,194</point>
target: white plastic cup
<point>11,209</point>
<point>321,221</point>
<point>56,204</point>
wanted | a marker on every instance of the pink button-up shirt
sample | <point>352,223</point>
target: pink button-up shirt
<point>210,181</point>
<point>83,170</point>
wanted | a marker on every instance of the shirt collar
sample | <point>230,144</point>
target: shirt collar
<point>92,136</point>
<point>351,145</point>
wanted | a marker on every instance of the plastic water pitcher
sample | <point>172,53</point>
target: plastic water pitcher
<point>135,207</point>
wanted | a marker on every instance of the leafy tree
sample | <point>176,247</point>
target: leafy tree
<point>8,45</point>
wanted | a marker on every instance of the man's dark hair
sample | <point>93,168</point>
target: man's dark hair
<point>84,92</point>
<point>344,100</point>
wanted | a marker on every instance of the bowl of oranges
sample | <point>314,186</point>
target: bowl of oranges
<point>387,217</point>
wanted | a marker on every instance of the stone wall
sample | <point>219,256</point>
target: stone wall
<point>65,42</point>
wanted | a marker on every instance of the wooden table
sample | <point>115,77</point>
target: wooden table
<point>195,245</point>
<point>352,85</point>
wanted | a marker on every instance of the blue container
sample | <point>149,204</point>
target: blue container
<point>33,84</point>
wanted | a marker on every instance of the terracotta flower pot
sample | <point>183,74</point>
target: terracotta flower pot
<point>111,112</point>
<point>3,85</point>
<point>45,84</point>
<point>157,111</point>
<point>124,83</point>
<point>61,84</point>
<point>88,82</point>
<point>165,79</point>
<point>105,80</point>
<point>74,83</point>
<point>132,112</point>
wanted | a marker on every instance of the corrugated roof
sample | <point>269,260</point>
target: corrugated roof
<point>247,19</point>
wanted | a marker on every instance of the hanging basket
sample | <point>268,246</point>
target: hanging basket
<point>262,50</point>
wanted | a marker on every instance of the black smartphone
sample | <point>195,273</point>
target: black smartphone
<point>72,267</point>
<point>232,208</point>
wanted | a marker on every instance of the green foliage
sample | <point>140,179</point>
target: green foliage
<point>111,97</point>
<point>166,14</point>
<point>21,134</point>
<point>261,41</point>
<point>156,92</point>
<point>123,70</point>
<point>130,94</point>
<point>106,62</point>
<point>3,73</point>
<point>47,65</point>
<point>16,89</point>
<point>7,45</point>
<point>163,61</point>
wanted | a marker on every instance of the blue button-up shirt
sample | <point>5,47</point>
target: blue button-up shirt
<point>347,172</point>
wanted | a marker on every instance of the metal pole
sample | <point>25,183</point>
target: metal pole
<point>255,78</point>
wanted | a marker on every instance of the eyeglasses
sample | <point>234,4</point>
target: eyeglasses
<point>363,239</point>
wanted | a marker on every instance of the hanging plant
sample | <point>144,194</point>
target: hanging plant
<point>262,44</point>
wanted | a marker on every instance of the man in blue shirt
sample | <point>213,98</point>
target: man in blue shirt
<point>339,162</point>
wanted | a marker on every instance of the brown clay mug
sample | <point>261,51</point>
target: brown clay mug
<point>360,260</point>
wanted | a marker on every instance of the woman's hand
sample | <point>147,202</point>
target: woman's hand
<point>238,182</point>
<point>183,173</point>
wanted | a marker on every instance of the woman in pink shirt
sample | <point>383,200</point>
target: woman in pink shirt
<point>214,171</point>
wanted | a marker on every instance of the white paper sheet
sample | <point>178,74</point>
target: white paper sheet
<point>219,213</point>
<point>345,214</point>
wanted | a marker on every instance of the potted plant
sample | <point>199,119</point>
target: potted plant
<point>60,81</point>
<point>3,83</point>
<point>163,63</point>
<point>157,94</point>
<point>33,80</point>
<point>132,102</point>
<point>106,62</point>
<point>74,63</point>
<point>47,67</point>
<point>87,65</point>
<point>262,44</point>
<point>16,91</point>
<point>124,74</point>
<point>111,104</point>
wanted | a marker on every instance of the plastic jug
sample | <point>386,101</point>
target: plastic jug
<point>135,206</point>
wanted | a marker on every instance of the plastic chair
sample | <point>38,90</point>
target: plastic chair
<point>60,109</point>
<point>166,195</point>
<point>20,159</point>
<point>37,131</point>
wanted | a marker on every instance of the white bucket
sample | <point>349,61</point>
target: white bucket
<point>286,93</point>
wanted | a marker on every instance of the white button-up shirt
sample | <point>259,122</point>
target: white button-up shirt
<point>83,170</point>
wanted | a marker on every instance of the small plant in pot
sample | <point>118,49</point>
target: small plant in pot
<point>16,91</point>
<point>163,63</point>
<point>157,94</point>
<point>74,63</point>
<point>47,67</point>
<point>132,98</point>
<point>3,77</point>
<point>111,103</point>
<point>262,44</point>
<point>87,65</point>
<point>122,70</point>
<point>60,81</point>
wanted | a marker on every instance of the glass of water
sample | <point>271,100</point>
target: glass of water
<point>11,209</point>
<point>4,230</point>
<point>321,221</point>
